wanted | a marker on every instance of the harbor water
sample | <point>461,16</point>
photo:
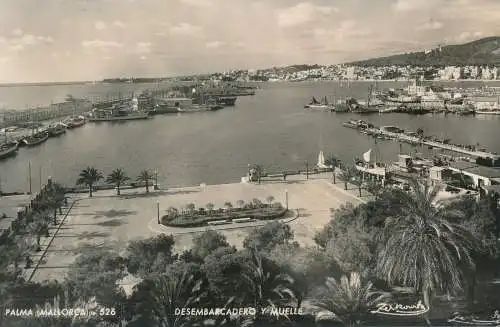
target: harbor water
<point>271,128</point>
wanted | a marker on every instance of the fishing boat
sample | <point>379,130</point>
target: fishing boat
<point>316,105</point>
<point>36,138</point>
<point>118,112</point>
<point>74,122</point>
<point>8,149</point>
<point>56,130</point>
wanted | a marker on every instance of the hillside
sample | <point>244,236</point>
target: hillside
<point>484,51</point>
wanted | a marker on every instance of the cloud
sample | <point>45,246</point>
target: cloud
<point>144,57</point>
<point>430,26</point>
<point>17,32</point>
<point>302,13</point>
<point>101,44</point>
<point>99,25</point>
<point>185,29</point>
<point>143,47</point>
<point>21,41</point>
<point>197,3</point>
<point>119,23</point>
<point>467,36</point>
<point>214,44</point>
<point>414,5</point>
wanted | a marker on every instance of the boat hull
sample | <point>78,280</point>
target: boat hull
<point>34,141</point>
<point>497,112</point>
<point>120,118</point>
<point>9,151</point>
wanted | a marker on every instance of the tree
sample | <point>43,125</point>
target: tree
<point>37,229</point>
<point>207,242</point>
<point>266,286</point>
<point>190,208</point>
<point>89,177</point>
<point>268,236</point>
<point>348,301</point>
<point>54,198</point>
<point>423,249</point>
<point>256,203</point>
<point>210,207</point>
<point>142,254</point>
<point>420,132</point>
<point>157,300</point>
<point>145,177</point>
<point>258,170</point>
<point>117,178</point>
<point>270,200</point>
<point>228,206</point>
<point>240,203</point>
<point>96,274</point>
<point>346,175</point>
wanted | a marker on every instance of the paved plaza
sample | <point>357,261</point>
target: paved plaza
<point>111,222</point>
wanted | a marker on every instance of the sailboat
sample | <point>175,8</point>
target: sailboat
<point>7,148</point>
<point>316,105</point>
<point>321,161</point>
<point>37,137</point>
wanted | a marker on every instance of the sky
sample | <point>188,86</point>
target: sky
<point>73,40</point>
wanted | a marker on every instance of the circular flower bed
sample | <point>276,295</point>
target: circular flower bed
<point>202,217</point>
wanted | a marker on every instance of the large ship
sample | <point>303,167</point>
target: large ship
<point>119,113</point>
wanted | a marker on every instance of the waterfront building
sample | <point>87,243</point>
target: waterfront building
<point>475,175</point>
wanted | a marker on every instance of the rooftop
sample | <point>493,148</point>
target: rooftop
<point>475,169</point>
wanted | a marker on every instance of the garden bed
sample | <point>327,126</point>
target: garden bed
<point>202,218</point>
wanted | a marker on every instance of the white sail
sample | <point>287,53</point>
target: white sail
<point>321,160</point>
<point>367,155</point>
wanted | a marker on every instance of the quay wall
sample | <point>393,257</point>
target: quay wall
<point>45,113</point>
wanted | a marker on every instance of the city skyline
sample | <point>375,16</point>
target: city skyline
<point>95,39</point>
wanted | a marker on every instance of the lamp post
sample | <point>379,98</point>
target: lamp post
<point>307,170</point>
<point>286,199</point>
<point>156,180</point>
<point>158,211</point>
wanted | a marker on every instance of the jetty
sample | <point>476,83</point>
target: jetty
<point>411,137</point>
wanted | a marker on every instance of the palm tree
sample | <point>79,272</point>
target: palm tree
<point>38,228</point>
<point>145,177</point>
<point>210,207</point>
<point>348,301</point>
<point>257,203</point>
<point>117,178</point>
<point>164,295</point>
<point>88,177</point>
<point>240,203</point>
<point>266,286</point>
<point>424,248</point>
<point>270,200</point>
<point>54,198</point>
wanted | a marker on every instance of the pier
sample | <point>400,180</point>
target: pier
<point>402,137</point>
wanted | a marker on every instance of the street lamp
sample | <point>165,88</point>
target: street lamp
<point>307,170</point>
<point>286,199</point>
<point>158,211</point>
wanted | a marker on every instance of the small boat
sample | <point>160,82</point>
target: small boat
<point>36,139</point>
<point>8,149</point>
<point>488,112</point>
<point>321,161</point>
<point>323,106</point>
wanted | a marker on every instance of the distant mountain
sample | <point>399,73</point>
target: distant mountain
<point>484,51</point>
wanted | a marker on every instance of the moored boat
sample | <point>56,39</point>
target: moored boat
<point>56,130</point>
<point>36,139</point>
<point>74,122</point>
<point>8,149</point>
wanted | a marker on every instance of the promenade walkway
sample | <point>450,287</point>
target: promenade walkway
<point>107,221</point>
